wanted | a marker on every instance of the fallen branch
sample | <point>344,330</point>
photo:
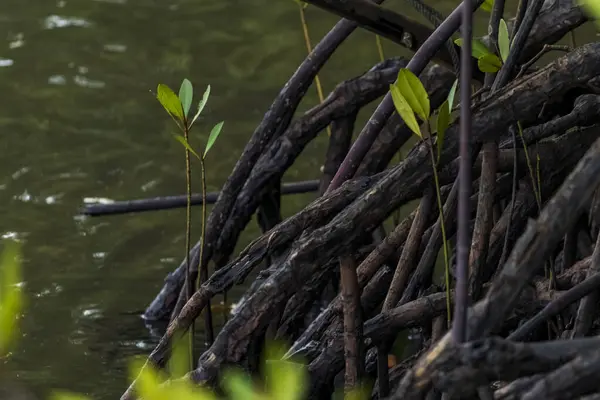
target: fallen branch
<point>170,202</point>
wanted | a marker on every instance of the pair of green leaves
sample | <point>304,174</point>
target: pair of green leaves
<point>486,60</point>
<point>178,108</point>
<point>11,297</point>
<point>411,100</point>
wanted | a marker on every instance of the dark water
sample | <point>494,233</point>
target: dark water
<point>77,122</point>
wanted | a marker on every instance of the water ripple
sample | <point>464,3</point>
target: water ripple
<point>57,21</point>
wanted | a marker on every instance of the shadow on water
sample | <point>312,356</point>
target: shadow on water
<point>77,122</point>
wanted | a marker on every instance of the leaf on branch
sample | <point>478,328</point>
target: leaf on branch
<point>201,104</point>
<point>186,94</point>
<point>451,95</point>
<point>478,48</point>
<point>443,121</point>
<point>185,143</point>
<point>214,134</point>
<point>170,102</point>
<point>489,63</point>
<point>404,110</point>
<point>503,40</point>
<point>414,93</point>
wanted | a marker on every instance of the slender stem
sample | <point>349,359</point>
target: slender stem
<point>521,9</point>
<point>188,236</point>
<point>442,225</point>
<point>538,199</point>
<point>309,49</point>
<point>379,48</point>
<point>463,240</point>
<point>202,272</point>
<point>513,201</point>
<point>536,187</point>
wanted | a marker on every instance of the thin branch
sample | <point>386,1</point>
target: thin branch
<point>461,304</point>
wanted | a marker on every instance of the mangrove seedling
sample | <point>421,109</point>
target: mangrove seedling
<point>411,101</point>
<point>178,107</point>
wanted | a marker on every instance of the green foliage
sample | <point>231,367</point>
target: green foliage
<point>478,48</point>
<point>404,110</point>
<point>486,60</point>
<point>186,144</point>
<point>503,40</point>
<point>410,98</point>
<point>443,121</point>
<point>451,94</point>
<point>592,9</point>
<point>413,91</point>
<point>487,5</point>
<point>11,296</point>
<point>178,108</point>
<point>180,360</point>
<point>214,134</point>
<point>169,100</point>
<point>489,63</point>
<point>202,103</point>
<point>285,380</point>
<point>186,94</point>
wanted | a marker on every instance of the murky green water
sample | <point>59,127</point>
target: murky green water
<point>77,121</point>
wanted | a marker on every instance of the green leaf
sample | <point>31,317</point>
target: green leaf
<point>489,63</point>
<point>592,8</point>
<point>478,48</point>
<point>185,143</point>
<point>186,94</point>
<point>170,102</point>
<point>201,104</point>
<point>11,297</point>
<point>451,94</point>
<point>503,40</point>
<point>404,110</point>
<point>214,134</point>
<point>413,92</point>
<point>443,121</point>
<point>286,380</point>
<point>487,5</point>
<point>148,383</point>
<point>239,386</point>
<point>179,362</point>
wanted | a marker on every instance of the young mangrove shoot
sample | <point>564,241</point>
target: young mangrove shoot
<point>411,100</point>
<point>178,107</point>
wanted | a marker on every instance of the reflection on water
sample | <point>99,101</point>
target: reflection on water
<point>78,123</point>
